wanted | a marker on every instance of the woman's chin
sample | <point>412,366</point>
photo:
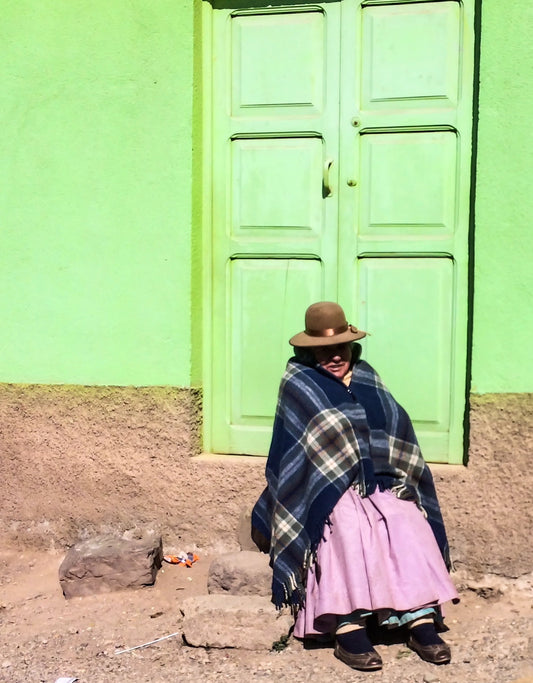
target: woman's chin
<point>339,372</point>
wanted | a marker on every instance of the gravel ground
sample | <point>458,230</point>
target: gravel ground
<point>43,636</point>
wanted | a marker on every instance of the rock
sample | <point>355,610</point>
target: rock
<point>244,573</point>
<point>106,563</point>
<point>246,622</point>
<point>244,530</point>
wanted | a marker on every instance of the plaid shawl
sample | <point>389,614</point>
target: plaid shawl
<point>327,437</point>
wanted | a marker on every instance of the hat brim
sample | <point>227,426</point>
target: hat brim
<point>303,339</point>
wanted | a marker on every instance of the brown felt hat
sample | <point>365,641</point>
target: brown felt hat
<point>325,324</point>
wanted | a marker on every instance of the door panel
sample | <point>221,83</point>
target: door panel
<point>410,184</point>
<point>260,81</point>
<point>411,54</point>
<point>405,151</point>
<point>276,188</point>
<point>410,300</point>
<point>266,299</point>
<point>275,210</point>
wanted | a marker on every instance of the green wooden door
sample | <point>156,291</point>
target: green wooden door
<point>274,228</point>
<point>341,155</point>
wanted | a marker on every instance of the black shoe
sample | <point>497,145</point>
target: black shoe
<point>366,661</point>
<point>438,653</point>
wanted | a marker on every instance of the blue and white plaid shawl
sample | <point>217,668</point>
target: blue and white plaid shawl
<point>327,437</point>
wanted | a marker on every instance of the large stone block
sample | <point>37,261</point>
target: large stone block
<point>246,622</point>
<point>244,573</point>
<point>106,563</point>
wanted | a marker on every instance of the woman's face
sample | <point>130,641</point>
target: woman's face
<point>335,358</point>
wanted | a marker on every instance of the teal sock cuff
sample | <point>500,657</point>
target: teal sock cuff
<point>357,617</point>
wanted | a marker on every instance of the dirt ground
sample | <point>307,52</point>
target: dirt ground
<point>43,636</point>
<point>76,461</point>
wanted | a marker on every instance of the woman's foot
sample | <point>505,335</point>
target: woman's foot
<point>429,646</point>
<point>355,649</point>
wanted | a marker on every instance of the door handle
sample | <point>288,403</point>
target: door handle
<point>326,187</point>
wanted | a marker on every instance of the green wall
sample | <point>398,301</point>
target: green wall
<point>503,287</point>
<point>101,190</point>
<point>95,203</point>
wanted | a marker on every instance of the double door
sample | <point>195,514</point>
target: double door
<point>341,151</point>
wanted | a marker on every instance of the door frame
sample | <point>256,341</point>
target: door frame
<point>206,248</point>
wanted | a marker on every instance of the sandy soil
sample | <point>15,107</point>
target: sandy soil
<point>43,636</point>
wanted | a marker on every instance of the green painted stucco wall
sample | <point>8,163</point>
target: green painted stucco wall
<point>503,274</point>
<point>101,194</point>
<point>95,191</point>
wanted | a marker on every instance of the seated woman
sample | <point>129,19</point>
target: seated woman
<point>350,514</point>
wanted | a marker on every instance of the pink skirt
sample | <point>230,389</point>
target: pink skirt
<point>379,553</point>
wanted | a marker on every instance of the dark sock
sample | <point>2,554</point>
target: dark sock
<point>426,634</point>
<point>357,642</point>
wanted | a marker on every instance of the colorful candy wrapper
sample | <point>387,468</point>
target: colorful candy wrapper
<point>185,559</point>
